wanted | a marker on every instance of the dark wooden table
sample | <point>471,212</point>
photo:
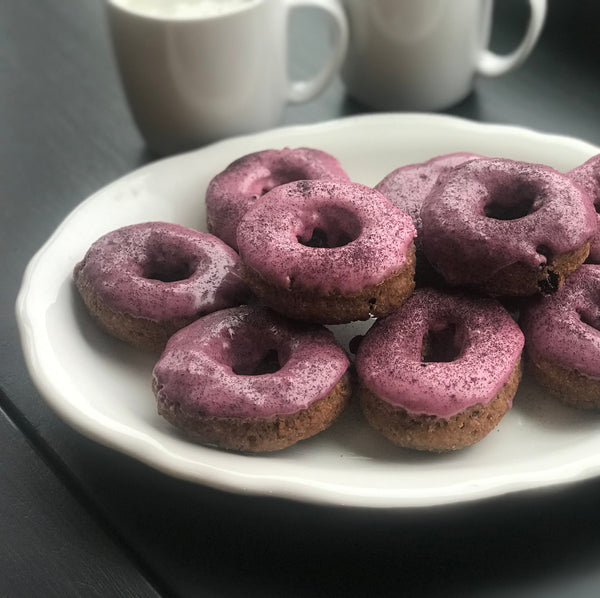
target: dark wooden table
<point>77,519</point>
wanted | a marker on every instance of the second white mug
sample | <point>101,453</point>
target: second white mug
<point>195,71</point>
<point>424,54</point>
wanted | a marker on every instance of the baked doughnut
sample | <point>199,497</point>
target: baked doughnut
<point>507,228</point>
<point>247,379</point>
<point>562,339</point>
<point>327,252</point>
<point>439,373</point>
<point>233,191</point>
<point>588,176</point>
<point>145,281</point>
<point>407,187</point>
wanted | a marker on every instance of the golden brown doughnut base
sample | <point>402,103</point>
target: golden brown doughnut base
<point>261,434</point>
<point>519,280</point>
<point>141,333</point>
<point>570,386</point>
<point>336,308</point>
<point>431,433</point>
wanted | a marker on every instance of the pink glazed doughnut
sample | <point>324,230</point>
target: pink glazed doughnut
<point>562,336</point>
<point>246,379</point>
<point>233,191</point>
<point>408,186</point>
<point>327,252</point>
<point>441,372</point>
<point>588,176</point>
<point>145,281</point>
<point>507,228</point>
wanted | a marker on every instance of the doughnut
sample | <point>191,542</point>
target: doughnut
<point>562,339</point>
<point>407,187</point>
<point>588,176</point>
<point>327,252</point>
<point>145,281</point>
<point>440,372</point>
<point>507,228</point>
<point>246,379</point>
<point>233,191</point>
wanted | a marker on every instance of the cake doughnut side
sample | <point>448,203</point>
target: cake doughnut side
<point>562,339</point>
<point>327,252</point>
<point>145,281</point>
<point>588,176</point>
<point>507,228</point>
<point>233,191</point>
<point>439,373</point>
<point>246,379</point>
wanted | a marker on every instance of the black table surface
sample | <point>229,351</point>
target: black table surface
<point>77,519</point>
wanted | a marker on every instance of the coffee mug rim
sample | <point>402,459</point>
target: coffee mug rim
<point>116,5</point>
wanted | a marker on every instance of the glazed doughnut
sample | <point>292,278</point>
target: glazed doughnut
<point>327,252</point>
<point>246,379</point>
<point>441,372</point>
<point>233,191</point>
<point>507,228</point>
<point>408,186</point>
<point>588,176</point>
<point>562,336</point>
<point>145,281</point>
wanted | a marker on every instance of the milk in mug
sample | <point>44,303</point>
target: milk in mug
<point>181,9</point>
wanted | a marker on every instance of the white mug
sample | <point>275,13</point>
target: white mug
<point>195,71</point>
<point>424,54</point>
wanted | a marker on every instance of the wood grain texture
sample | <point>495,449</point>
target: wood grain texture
<point>51,546</point>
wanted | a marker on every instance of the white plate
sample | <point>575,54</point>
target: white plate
<point>102,388</point>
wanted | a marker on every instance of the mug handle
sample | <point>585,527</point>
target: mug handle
<point>494,65</point>
<point>304,90</point>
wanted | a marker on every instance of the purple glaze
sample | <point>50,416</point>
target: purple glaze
<point>389,362</point>
<point>118,265</point>
<point>269,236</point>
<point>232,192</point>
<point>468,247</point>
<point>195,371</point>
<point>564,328</point>
<point>588,176</point>
<point>408,186</point>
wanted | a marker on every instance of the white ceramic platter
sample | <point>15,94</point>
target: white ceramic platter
<point>102,387</point>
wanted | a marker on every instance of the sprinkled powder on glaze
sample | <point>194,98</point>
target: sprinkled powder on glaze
<point>564,328</point>
<point>408,186</point>
<point>588,176</point>
<point>489,342</point>
<point>470,247</point>
<point>232,192</point>
<point>196,370</point>
<point>124,268</point>
<point>373,236</point>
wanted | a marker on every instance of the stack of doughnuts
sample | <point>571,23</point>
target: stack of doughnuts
<point>247,362</point>
<point>507,228</point>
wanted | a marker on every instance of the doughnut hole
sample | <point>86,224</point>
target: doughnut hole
<point>511,201</point>
<point>265,362</point>
<point>328,227</point>
<point>168,264</point>
<point>250,356</point>
<point>442,343</point>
